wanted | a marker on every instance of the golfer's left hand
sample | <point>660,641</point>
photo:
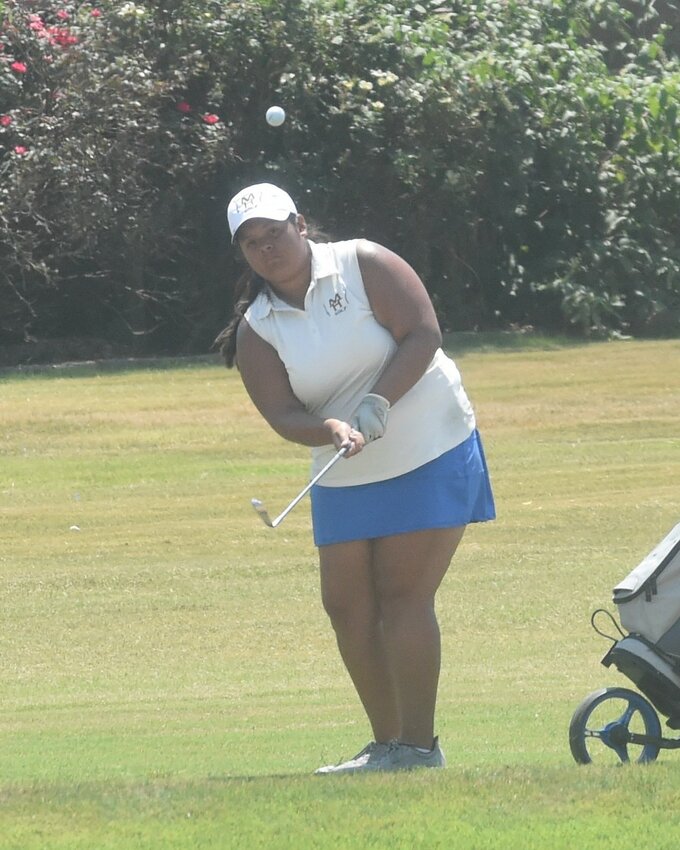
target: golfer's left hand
<point>371,416</point>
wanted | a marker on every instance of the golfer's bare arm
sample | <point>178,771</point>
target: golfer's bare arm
<point>266,381</point>
<point>402,306</point>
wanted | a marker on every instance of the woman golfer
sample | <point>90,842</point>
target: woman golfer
<point>338,345</point>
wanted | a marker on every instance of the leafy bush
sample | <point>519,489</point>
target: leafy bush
<point>105,174</point>
<point>535,184</point>
<point>524,156</point>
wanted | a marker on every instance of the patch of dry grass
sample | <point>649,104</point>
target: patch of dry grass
<point>172,641</point>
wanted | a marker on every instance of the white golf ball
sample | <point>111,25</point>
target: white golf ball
<point>275,116</point>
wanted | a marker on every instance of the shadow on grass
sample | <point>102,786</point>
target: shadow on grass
<point>457,344</point>
<point>87,368</point>
<point>460,343</point>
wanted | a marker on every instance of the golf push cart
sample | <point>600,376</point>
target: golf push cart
<point>619,724</point>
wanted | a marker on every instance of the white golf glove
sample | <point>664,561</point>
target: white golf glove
<point>371,417</point>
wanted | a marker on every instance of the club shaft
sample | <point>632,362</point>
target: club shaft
<point>340,453</point>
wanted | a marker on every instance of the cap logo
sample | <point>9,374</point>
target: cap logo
<point>246,203</point>
<point>262,200</point>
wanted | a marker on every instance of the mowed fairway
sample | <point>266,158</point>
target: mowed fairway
<point>168,678</point>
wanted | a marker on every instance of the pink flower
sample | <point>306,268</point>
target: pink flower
<point>96,13</point>
<point>19,67</point>
<point>62,37</point>
<point>184,107</point>
<point>210,119</point>
<point>20,150</point>
<point>63,15</point>
<point>5,120</point>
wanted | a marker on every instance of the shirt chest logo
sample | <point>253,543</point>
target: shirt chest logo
<point>338,303</point>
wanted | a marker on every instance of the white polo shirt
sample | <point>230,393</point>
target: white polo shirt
<point>334,351</point>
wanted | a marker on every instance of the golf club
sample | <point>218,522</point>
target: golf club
<point>262,511</point>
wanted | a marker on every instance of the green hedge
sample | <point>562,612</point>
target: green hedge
<point>524,156</point>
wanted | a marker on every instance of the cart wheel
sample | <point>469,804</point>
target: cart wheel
<point>600,725</point>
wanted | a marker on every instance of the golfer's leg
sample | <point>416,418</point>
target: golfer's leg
<point>348,595</point>
<point>408,570</point>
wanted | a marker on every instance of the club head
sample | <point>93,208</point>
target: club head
<point>262,511</point>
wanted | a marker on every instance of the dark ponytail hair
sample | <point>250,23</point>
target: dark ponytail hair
<point>247,288</point>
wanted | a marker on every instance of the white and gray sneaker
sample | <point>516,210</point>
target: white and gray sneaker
<point>408,757</point>
<point>391,756</point>
<point>373,757</point>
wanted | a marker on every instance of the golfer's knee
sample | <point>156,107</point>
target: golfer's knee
<point>399,604</point>
<point>349,616</point>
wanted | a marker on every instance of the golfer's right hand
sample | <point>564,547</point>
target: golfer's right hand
<point>371,416</point>
<point>344,434</point>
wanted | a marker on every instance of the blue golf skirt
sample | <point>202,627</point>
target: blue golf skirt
<point>449,491</point>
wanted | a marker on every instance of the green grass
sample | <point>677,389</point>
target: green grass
<point>168,677</point>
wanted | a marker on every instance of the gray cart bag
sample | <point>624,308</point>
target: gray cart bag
<point>649,609</point>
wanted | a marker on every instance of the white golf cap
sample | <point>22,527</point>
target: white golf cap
<point>263,200</point>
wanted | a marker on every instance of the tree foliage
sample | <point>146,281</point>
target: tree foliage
<point>524,155</point>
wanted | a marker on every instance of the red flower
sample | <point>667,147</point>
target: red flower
<point>184,107</point>
<point>5,120</point>
<point>19,67</point>
<point>62,37</point>
<point>96,13</point>
<point>210,119</point>
<point>20,150</point>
